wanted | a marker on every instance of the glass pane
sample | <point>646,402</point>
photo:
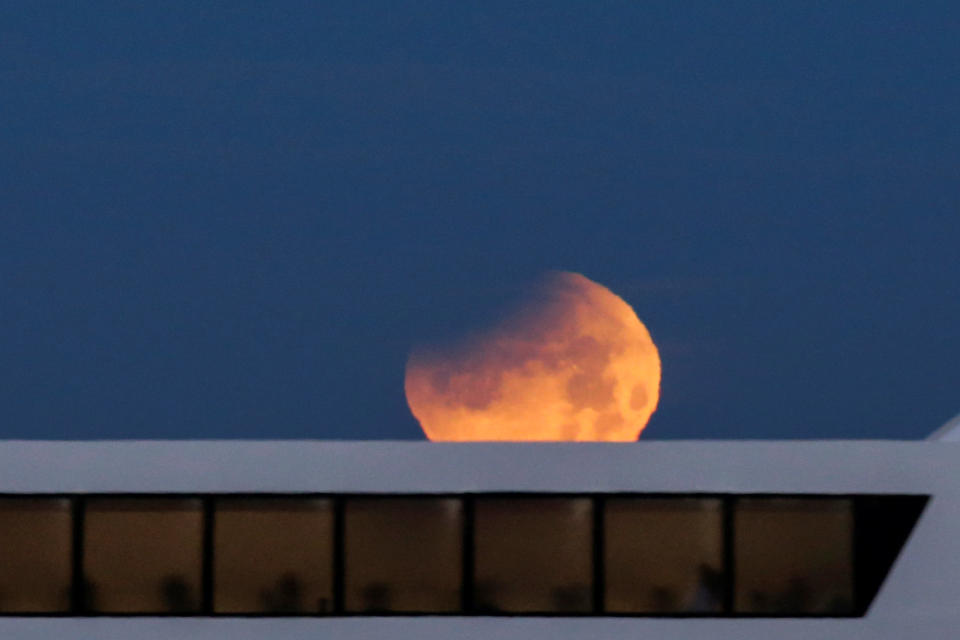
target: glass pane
<point>403,554</point>
<point>663,555</point>
<point>35,544</point>
<point>143,555</point>
<point>883,525</point>
<point>273,556</point>
<point>533,554</point>
<point>794,556</point>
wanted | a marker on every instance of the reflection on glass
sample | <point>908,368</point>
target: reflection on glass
<point>143,555</point>
<point>794,556</point>
<point>403,554</point>
<point>663,555</point>
<point>533,555</point>
<point>273,555</point>
<point>35,543</point>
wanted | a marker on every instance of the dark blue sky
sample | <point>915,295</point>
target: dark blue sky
<point>234,219</point>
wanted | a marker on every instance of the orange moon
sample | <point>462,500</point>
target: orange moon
<point>572,363</point>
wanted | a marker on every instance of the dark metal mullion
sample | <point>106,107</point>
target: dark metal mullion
<point>339,563</point>
<point>209,506</point>
<point>599,538</point>
<point>78,587</point>
<point>467,578</point>
<point>859,607</point>
<point>729,556</point>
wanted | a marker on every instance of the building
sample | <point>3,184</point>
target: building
<point>351,540</point>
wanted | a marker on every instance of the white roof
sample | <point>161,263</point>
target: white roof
<point>690,466</point>
<point>950,432</point>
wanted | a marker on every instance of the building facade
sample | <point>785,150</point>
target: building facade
<point>696,539</point>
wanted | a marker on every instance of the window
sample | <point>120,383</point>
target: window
<point>143,555</point>
<point>533,555</point>
<point>883,525</point>
<point>273,556</point>
<point>299,555</point>
<point>794,556</point>
<point>35,555</point>
<point>403,554</point>
<point>663,555</point>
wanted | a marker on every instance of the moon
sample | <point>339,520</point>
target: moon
<point>573,362</point>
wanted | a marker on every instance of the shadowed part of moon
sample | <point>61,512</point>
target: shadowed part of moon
<point>575,363</point>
